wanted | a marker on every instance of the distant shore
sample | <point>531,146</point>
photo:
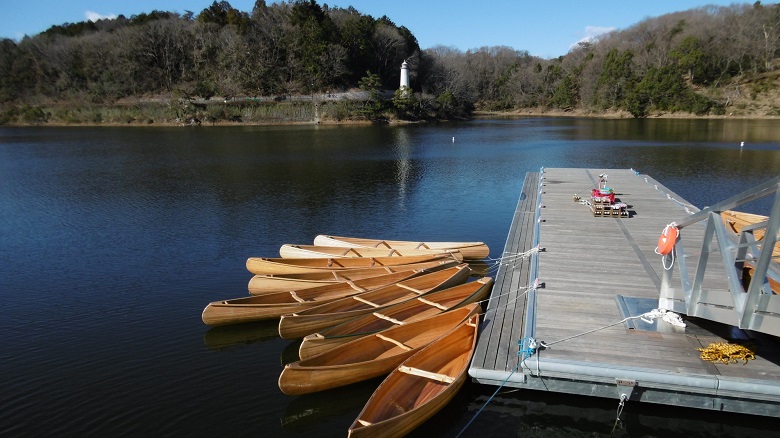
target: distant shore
<point>218,113</point>
<point>541,112</point>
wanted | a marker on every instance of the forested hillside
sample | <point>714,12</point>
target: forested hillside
<point>296,60</point>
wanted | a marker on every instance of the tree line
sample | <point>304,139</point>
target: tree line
<point>691,61</point>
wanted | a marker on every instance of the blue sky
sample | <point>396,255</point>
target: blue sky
<point>543,28</point>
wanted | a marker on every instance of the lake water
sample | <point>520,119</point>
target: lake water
<point>112,240</point>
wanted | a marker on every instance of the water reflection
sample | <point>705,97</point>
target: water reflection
<point>729,133</point>
<point>290,352</point>
<point>403,154</point>
<point>231,336</point>
<point>314,412</point>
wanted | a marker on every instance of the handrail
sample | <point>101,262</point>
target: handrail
<point>752,307</point>
<point>749,195</point>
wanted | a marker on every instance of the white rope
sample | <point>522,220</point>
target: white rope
<point>620,407</point>
<point>513,256</point>
<point>517,291</point>
<point>663,260</point>
<point>648,317</point>
<point>511,260</point>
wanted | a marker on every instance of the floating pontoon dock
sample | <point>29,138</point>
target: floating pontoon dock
<point>591,272</point>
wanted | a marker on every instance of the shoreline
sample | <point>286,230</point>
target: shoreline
<point>536,112</point>
<point>520,113</point>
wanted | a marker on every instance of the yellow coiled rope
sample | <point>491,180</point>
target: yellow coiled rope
<point>727,353</point>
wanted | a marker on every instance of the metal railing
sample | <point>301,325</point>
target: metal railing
<point>750,303</point>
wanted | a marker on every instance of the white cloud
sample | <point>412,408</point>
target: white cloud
<point>592,33</point>
<point>94,16</point>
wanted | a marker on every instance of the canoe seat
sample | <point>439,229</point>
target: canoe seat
<point>387,318</point>
<point>391,340</point>
<point>427,374</point>
<point>363,300</point>
<point>431,303</point>
<point>417,291</point>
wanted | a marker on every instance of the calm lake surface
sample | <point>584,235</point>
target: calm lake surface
<point>113,240</point>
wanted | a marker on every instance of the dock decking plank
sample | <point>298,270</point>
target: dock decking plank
<point>494,349</point>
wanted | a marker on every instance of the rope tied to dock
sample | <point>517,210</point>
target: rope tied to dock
<point>523,350</point>
<point>511,260</point>
<point>727,353</point>
<point>648,317</point>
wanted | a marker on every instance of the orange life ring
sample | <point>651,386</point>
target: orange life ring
<point>668,238</point>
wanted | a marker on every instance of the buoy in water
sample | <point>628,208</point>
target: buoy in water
<point>668,237</point>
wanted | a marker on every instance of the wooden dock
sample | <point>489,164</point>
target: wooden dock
<point>591,273</point>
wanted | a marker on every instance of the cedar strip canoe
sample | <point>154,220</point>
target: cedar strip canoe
<point>370,356</point>
<point>289,251</point>
<point>263,284</point>
<point>282,266</point>
<point>420,387</point>
<point>274,305</point>
<point>470,250</point>
<point>398,314</point>
<point>308,321</point>
<point>735,220</point>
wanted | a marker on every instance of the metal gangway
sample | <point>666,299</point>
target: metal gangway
<point>750,302</point>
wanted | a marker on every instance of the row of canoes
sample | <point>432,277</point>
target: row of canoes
<point>311,308</point>
<point>311,275</point>
<point>366,308</point>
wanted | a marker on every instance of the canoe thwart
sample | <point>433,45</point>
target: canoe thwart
<point>391,340</point>
<point>427,374</point>
<point>296,297</point>
<point>417,291</point>
<point>431,303</point>
<point>363,300</point>
<point>387,318</point>
<point>332,261</point>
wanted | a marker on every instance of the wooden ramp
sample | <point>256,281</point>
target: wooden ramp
<point>594,272</point>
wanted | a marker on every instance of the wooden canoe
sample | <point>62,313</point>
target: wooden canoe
<point>747,276</point>
<point>736,220</point>
<point>263,284</point>
<point>274,305</point>
<point>289,251</point>
<point>420,387</point>
<point>369,356</point>
<point>470,250</point>
<point>308,321</point>
<point>402,313</point>
<point>282,266</point>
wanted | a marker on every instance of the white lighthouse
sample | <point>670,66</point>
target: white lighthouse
<point>404,75</point>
